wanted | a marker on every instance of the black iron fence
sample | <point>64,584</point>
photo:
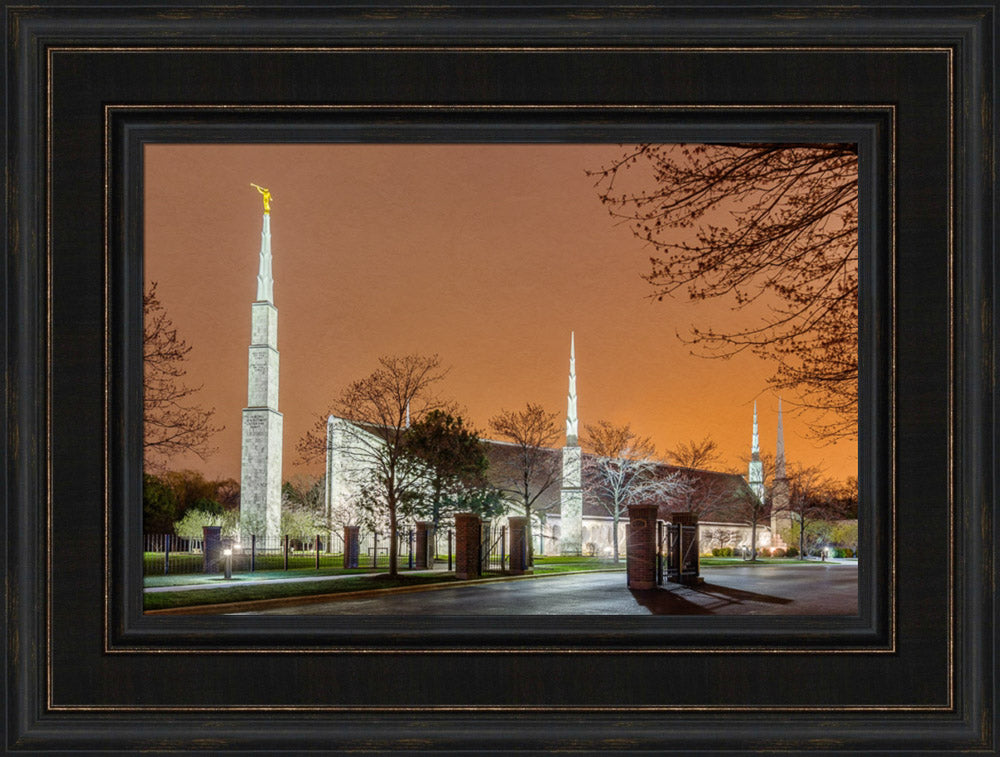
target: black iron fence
<point>165,554</point>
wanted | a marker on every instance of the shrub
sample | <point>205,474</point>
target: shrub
<point>848,552</point>
<point>792,552</point>
<point>716,551</point>
<point>190,526</point>
<point>726,552</point>
<point>763,552</point>
<point>777,552</point>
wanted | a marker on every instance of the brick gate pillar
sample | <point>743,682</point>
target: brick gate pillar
<point>468,535</point>
<point>640,552</point>
<point>424,553</point>
<point>211,548</point>
<point>352,546</point>
<point>518,529</point>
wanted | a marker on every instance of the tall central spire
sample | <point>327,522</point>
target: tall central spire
<point>572,426</point>
<point>571,493</point>
<point>755,471</point>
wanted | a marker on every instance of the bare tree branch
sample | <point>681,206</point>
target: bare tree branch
<point>172,423</point>
<point>760,225</point>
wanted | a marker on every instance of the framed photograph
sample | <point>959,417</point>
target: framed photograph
<point>423,194</point>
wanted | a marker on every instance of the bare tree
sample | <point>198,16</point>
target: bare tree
<point>379,407</point>
<point>811,497</point>
<point>527,468</point>
<point>753,510</point>
<point>699,494</point>
<point>772,228</point>
<point>172,422</point>
<point>692,454</point>
<point>622,470</point>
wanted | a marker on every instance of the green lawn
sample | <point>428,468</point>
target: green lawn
<point>567,564</point>
<point>167,599</point>
<point>187,579</point>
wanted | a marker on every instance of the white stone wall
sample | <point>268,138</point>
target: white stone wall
<point>596,534</point>
<point>344,470</point>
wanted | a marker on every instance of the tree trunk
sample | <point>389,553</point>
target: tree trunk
<point>753,542</point>
<point>614,534</point>
<point>393,548</point>
<point>802,539</point>
<point>531,550</point>
<point>527,514</point>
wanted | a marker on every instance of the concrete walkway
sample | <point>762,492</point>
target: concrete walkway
<point>814,589</point>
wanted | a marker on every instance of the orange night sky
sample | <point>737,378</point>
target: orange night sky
<point>489,255</point>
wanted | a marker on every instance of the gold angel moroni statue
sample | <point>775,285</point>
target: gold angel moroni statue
<point>265,194</point>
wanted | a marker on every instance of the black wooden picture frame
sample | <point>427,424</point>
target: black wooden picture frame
<point>914,85</point>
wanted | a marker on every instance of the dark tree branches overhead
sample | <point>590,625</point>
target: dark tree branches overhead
<point>773,228</point>
<point>172,423</point>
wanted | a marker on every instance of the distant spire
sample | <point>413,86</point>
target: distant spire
<point>571,421</point>
<point>265,284</point>
<point>779,456</point>
<point>407,413</point>
<point>755,470</point>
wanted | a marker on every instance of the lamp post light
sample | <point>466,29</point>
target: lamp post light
<point>229,562</point>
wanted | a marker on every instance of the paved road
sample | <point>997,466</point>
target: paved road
<point>773,590</point>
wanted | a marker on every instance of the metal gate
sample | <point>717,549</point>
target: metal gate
<point>677,553</point>
<point>493,550</point>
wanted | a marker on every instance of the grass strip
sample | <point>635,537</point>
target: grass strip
<point>167,599</point>
<point>188,579</point>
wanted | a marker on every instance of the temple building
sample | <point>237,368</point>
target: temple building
<point>569,519</point>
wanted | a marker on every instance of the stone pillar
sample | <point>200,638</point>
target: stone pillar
<point>212,549</point>
<point>689,519</point>
<point>468,535</point>
<point>640,552</point>
<point>424,556</point>
<point>352,546</point>
<point>518,528</point>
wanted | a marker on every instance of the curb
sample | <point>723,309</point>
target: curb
<point>257,604</point>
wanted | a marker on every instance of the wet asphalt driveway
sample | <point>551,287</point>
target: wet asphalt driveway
<point>828,589</point>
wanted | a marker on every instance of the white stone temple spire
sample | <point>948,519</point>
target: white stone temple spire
<point>572,425</point>
<point>779,455</point>
<point>265,284</point>
<point>755,474</point>
<point>781,515</point>
<point>260,472</point>
<point>571,493</point>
